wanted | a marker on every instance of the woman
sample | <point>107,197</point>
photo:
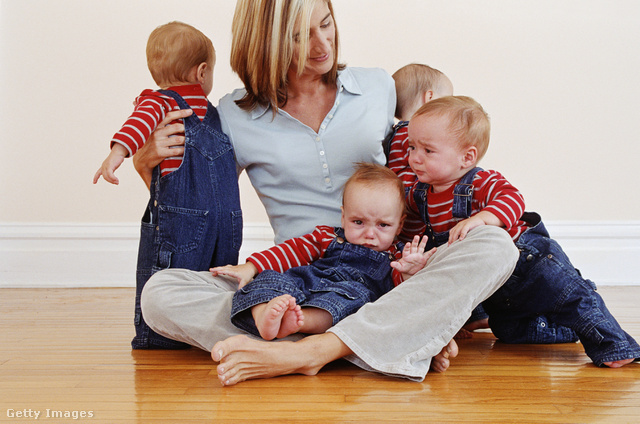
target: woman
<point>297,127</point>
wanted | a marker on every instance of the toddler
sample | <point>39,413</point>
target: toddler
<point>181,59</point>
<point>416,84</point>
<point>308,284</point>
<point>447,138</point>
<point>193,218</point>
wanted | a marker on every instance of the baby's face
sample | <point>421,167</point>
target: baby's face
<point>434,153</point>
<point>371,217</point>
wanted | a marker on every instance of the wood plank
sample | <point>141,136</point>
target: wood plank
<point>68,350</point>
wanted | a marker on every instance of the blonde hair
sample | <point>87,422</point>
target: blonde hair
<point>376,176</point>
<point>174,49</point>
<point>468,120</point>
<point>414,79</point>
<point>263,44</point>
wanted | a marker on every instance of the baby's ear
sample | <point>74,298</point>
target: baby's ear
<point>427,96</point>
<point>401,224</point>
<point>470,157</point>
<point>200,72</point>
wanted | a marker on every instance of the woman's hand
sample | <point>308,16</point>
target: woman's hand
<point>161,145</point>
<point>243,273</point>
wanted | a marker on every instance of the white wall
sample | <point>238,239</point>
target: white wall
<point>558,77</point>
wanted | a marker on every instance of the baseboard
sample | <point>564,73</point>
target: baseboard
<point>93,255</point>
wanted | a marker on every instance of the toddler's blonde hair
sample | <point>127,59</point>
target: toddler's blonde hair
<point>174,49</point>
<point>373,175</point>
<point>467,120</point>
<point>414,79</point>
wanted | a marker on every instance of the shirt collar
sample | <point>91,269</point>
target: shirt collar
<point>346,81</point>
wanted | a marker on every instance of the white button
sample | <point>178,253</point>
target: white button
<point>325,166</point>
<point>317,138</point>
<point>321,152</point>
<point>327,180</point>
<point>331,116</point>
<point>323,126</point>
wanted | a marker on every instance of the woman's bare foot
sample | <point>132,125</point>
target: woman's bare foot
<point>242,358</point>
<point>619,364</point>
<point>272,316</point>
<point>440,362</point>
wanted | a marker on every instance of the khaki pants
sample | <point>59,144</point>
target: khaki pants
<point>396,335</point>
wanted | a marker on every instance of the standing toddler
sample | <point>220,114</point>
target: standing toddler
<point>193,217</point>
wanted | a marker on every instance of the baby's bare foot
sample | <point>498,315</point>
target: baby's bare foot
<point>292,320</point>
<point>463,334</point>
<point>440,362</point>
<point>619,364</point>
<point>269,317</point>
<point>475,325</point>
<point>466,332</point>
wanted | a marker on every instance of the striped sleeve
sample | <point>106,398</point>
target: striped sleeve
<point>396,276</point>
<point>294,252</point>
<point>149,111</point>
<point>398,160</point>
<point>413,226</point>
<point>499,197</point>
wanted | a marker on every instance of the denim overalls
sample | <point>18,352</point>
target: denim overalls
<point>344,279</point>
<point>193,219</point>
<point>545,284</point>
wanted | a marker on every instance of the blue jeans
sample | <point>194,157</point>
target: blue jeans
<point>343,280</point>
<point>545,284</point>
<point>538,329</point>
<point>193,218</point>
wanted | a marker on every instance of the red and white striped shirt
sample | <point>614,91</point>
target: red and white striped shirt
<point>491,193</point>
<point>301,251</point>
<point>151,108</point>
<point>398,162</point>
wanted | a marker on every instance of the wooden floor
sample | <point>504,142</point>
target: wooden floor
<point>66,353</point>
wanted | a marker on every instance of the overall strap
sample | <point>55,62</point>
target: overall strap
<point>339,232</point>
<point>420,197</point>
<point>463,194</point>
<point>182,103</point>
<point>212,118</point>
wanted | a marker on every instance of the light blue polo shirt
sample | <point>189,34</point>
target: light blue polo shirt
<point>298,173</point>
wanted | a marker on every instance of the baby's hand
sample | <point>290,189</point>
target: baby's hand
<point>243,273</point>
<point>110,164</point>
<point>459,232</point>
<point>414,257</point>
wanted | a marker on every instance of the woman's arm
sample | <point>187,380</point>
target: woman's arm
<point>160,145</point>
